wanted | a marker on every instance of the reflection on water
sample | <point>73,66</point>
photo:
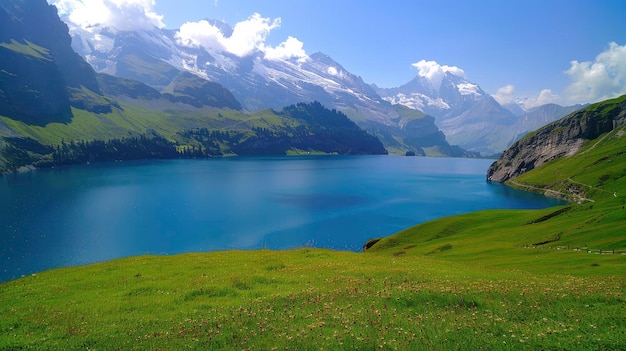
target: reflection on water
<point>91,213</point>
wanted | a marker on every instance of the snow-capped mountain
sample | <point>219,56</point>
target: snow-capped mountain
<point>156,57</point>
<point>256,81</point>
<point>467,115</point>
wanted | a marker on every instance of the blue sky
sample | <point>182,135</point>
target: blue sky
<point>510,48</point>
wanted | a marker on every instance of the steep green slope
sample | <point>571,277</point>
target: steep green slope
<point>561,138</point>
<point>39,71</point>
<point>593,178</point>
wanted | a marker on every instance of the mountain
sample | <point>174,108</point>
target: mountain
<point>470,117</point>
<point>516,107</point>
<point>55,109</point>
<point>561,138</point>
<point>466,114</point>
<point>156,57</point>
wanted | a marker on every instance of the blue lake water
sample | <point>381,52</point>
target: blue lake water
<point>85,214</point>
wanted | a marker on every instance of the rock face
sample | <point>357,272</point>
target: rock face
<point>561,138</point>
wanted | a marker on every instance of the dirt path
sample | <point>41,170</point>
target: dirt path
<point>550,192</point>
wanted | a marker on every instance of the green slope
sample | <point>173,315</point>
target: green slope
<point>593,178</point>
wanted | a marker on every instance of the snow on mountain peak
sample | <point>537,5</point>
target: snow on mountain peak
<point>417,101</point>
<point>434,72</point>
<point>469,89</point>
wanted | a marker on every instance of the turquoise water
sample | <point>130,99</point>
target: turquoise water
<point>84,214</point>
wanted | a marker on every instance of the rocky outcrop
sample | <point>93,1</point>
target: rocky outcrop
<point>561,138</point>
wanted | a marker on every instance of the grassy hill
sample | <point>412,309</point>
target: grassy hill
<point>492,280</point>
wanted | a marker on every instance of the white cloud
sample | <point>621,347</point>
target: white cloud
<point>248,36</point>
<point>435,72</point>
<point>505,95</point>
<point>124,15</point>
<point>201,33</point>
<point>601,79</point>
<point>332,71</point>
<point>290,48</point>
<point>546,96</point>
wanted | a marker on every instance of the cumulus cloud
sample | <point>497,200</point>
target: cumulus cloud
<point>250,34</point>
<point>601,79</point>
<point>435,72</point>
<point>201,34</point>
<point>546,96</point>
<point>123,15</point>
<point>247,37</point>
<point>290,48</point>
<point>505,95</point>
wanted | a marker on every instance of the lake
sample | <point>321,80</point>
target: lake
<point>84,214</point>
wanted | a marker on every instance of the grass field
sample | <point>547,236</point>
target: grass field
<point>318,299</point>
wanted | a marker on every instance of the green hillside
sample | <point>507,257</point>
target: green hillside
<point>593,179</point>
<point>491,280</point>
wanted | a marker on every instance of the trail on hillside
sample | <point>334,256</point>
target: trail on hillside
<point>550,192</point>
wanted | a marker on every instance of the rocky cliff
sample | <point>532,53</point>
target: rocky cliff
<point>561,138</point>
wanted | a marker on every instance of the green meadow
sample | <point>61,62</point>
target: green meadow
<point>318,299</point>
<point>551,279</point>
